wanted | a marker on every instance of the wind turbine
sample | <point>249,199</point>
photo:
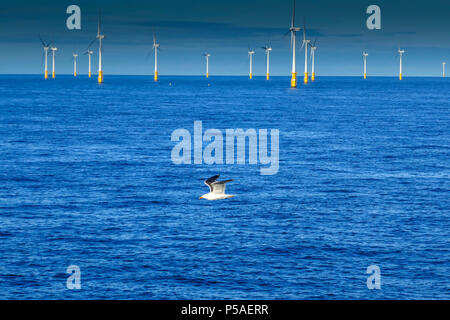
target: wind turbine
<point>250,54</point>
<point>156,48</point>
<point>365,54</point>
<point>267,49</point>
<point>293,30</point>
<point>443,69</point>
<point>313,56</point>
<point>305,44</point>
<point>75,56</point>
<point>46,47</point>
<point>54,49</point>
<point>100,38</point>
<point>89,53</point>
<point>401,52</point>
<point>207,55</point>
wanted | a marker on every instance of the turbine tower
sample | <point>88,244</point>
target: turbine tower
<point>313,58</point>
<point>267,49</point>
<point>100,38</point>
<point>207,55</point>
<point>250,54</point>
<point>365,54</point>
<point>293,30</point>
<point>75,56</point>
<point>54,49</point>
<point>305,44</point>
<point>46,47</point>
<point>401,52</point>
<point>156,48</point>
<point>89,53</point>
<point>443,69</point>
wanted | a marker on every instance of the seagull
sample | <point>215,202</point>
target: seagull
<point>217,189</point>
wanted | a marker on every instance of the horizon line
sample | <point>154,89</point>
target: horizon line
<point>218,75</point>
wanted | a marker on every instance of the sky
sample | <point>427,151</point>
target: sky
<point>186,29</point>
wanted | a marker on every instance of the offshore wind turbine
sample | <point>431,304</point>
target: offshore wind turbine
<point>305,44</point>
<point>313,58</point>
<point>250,54</point>
<point>54,49</point>
<point>293,30</point>
<point>267,49</point>
<point>443,69</point>
<point>89,53</point>
<point>46,47</point>
<point>400,53</point>
<point>207,55</point>
<point>75,56</point>
<point>156,48</point>
<point>365,54</point>
<point>100,38</point>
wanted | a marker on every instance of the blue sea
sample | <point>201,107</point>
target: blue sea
<point>86,179</point>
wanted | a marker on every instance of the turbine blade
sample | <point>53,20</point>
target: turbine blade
<point>293,16</point>
<point>99,22</point>
<point>90,44</point>
<point>42,41</point>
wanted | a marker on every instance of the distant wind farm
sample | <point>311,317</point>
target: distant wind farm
<point>306,44</point>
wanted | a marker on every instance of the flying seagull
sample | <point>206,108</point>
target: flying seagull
<point>217,189</point>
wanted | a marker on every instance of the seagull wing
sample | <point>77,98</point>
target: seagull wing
<point>210,181</point>
<point>219,187</point>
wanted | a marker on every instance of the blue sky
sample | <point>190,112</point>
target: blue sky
<point>186,29</point>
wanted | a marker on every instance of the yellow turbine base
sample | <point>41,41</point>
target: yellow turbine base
<point>251,76</point>
<point>53,75</point>
<point>294,80</point>
<point>267,76</point>
<point>100,77</point>
<point>74,74</point>
<point>90,74</point>
<point>207,75</point>
<point>313,76</point>
<point>365,76</point>
<point>156,76</point>
<point>401,76</point>
<point>305,79</point>
<point>46,74</point>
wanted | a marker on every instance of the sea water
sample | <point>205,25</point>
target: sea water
<point>87,179</point>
